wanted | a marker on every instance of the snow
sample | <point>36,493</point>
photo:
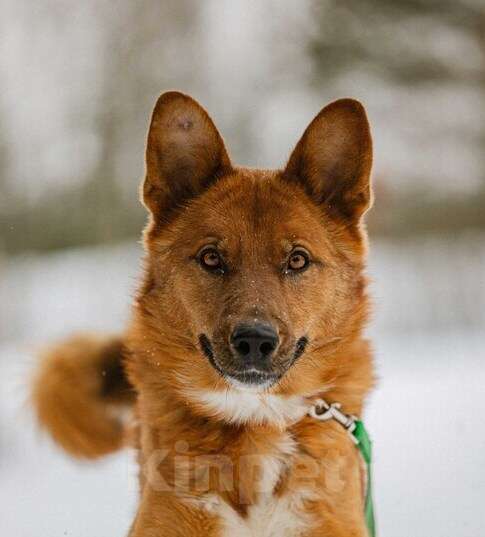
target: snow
<point>424,417</point>
<point>429,442</point>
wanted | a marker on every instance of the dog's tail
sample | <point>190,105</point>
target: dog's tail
<point>80,392</point>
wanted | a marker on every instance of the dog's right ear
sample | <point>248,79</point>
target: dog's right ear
<point>185,154</point>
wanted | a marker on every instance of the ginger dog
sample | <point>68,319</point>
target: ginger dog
<point>251,306</point>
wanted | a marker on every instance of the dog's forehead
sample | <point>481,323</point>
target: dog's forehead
<point>255,214</point>
<point>255,203</point>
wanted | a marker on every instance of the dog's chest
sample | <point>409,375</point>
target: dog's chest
<point>273,513</point>
<point>274,517</point>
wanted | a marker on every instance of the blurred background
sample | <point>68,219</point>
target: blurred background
<point>78,81</point>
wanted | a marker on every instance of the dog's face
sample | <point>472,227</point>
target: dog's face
<point>252,274</point>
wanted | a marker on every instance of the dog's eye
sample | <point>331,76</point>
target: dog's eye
<point>211,260</point>
<point>298,261</point>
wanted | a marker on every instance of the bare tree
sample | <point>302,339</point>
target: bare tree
<point>407,43</point>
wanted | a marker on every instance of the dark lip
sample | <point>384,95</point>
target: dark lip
<point>299,348</point>
<point>206,347</point>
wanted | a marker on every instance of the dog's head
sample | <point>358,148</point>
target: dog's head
<point>252,275</point>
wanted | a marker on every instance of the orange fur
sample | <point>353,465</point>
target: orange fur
<point>76,392</point>
<point>218,458</point>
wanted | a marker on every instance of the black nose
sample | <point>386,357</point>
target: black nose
<point>254,342</point>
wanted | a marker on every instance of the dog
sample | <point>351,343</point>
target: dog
<point>251,309</point>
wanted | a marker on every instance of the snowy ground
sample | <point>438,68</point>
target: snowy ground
<point>425,417</point>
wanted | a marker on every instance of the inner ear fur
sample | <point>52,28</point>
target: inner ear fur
<point>185,154</point>
<point>333,160</point>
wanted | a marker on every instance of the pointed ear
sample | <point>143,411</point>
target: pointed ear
<point>185,154</point>
<point>333,159</point>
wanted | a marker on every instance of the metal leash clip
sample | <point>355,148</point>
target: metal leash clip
<point>322,411</point>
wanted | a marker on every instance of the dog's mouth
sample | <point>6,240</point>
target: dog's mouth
<point>251,376</point>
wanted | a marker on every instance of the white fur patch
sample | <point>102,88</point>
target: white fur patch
<point>276,517</point>
<point>271,516</point>
<point>245,406</point>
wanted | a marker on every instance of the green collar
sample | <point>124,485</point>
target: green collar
<point>322,411</point>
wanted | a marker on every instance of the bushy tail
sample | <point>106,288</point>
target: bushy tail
<point>80,391</point>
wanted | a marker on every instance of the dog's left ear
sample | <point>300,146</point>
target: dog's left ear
<point>333,159</point>
<point>185,154</point>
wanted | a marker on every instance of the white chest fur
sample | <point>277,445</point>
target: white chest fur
<point>243,407</point>
<point>272,515</point>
